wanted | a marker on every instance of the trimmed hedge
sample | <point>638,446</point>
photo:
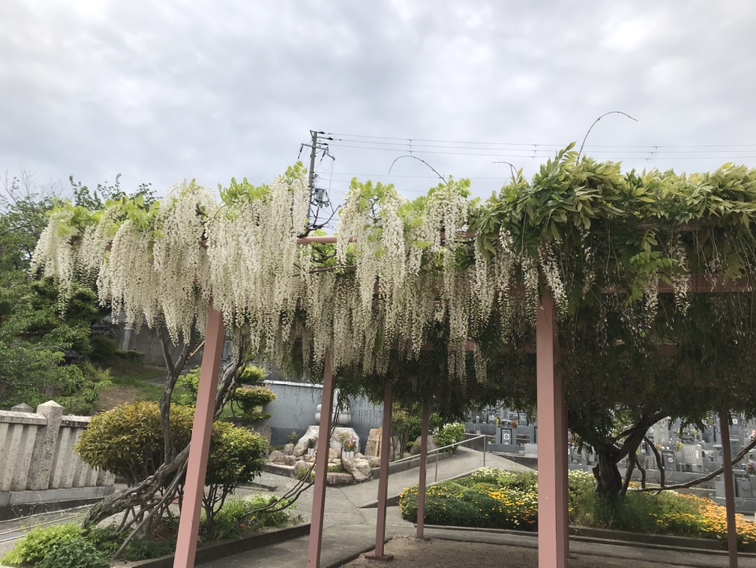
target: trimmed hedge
<point>492,498</point>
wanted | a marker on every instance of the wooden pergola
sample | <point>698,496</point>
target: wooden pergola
<point>553,519</point>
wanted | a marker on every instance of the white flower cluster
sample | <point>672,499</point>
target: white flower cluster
<point>255,262</point>
<point>681,277</point>
<point>55,255</point>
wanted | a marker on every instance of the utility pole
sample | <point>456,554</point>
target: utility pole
<point>318,196</point>
<point>319,143</point>
<point>313,154</point>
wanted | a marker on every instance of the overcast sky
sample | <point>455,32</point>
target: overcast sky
<point>168,90</point>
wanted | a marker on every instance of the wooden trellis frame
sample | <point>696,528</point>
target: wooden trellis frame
<point>553,534</point>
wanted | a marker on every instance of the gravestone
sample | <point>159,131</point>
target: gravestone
<point>669,461</point>
<point>693,458</point>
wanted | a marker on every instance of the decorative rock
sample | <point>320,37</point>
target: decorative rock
<point>277,457</point>
<point>396,448</point>
<point>339,479</point>
<point>374,441</point>
<point>300,466</point>
<point>333,454</point>
<point>309,459</point>
<point>339,433</point>
<point>374,462</point>
<point>432,445</point>
<point>359,456</point>
<point>360,469</point>
<point>289,460</point>
<point>289,449</point>
<point>299,449</point>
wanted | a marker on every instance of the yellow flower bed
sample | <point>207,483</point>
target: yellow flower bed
<point>711,521</point>
<point>496,499</point>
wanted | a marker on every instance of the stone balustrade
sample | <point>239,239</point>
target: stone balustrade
<point>37,461</point>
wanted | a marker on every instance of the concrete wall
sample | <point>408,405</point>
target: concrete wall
<point>294,410</point>
<point>37,461</point>
<point>147,342</point>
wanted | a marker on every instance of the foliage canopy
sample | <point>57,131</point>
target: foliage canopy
<point>409,286</point>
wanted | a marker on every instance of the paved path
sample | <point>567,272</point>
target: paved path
<point>349,529</point>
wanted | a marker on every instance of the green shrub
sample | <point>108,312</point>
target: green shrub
<point>33,548</point>
<point>189,382</point>
<point>80,395</point>
<point>241,516</point>
<point>450,434</point>
<point>132,356</point>
<point>504,479</point>
<point>76,552</point>
<point>102,347</point>
<point>492,498</point>
<point>244,396</point>
<point>128,441</point>
<point>146,548</point>
<point>105,539</point>
<point>237,456</point>
<point>482,506</point>
<point>250,401</point>
<point>251,375</point>
<point>306,473</point>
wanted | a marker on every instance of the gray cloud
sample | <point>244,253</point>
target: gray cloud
<point>162,91</point>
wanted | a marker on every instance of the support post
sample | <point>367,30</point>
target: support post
<point>380,529</point>
<point>423,471</point>
<point>553,521</point>
<point>186,544</point>
<point>485,448</point>
<point>321,466</point>
<point>732,533</point>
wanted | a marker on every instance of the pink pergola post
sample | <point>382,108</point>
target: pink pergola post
<point>380,529</point>
<point>553,520</point>
<point>422,475</point>
<point>321,466</point>
<point>732,532</point>
<point>186,545</point>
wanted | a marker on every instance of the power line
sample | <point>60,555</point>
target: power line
<point>413,141</point>
<point>543,153</point>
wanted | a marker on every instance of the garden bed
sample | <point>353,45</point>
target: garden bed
<point>497,499</point>
<point>229,547</point>
<point>241,525</point>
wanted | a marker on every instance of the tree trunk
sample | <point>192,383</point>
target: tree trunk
<point>607,474</point>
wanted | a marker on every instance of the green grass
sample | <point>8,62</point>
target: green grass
<point>130,381</point>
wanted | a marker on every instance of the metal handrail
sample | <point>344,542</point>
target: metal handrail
<point>437,451</point>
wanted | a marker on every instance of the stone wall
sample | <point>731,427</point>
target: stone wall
<point>294,410</point>
<point>37,461</point>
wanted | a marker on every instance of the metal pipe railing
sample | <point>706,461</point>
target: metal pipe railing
<point>437,451</point>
